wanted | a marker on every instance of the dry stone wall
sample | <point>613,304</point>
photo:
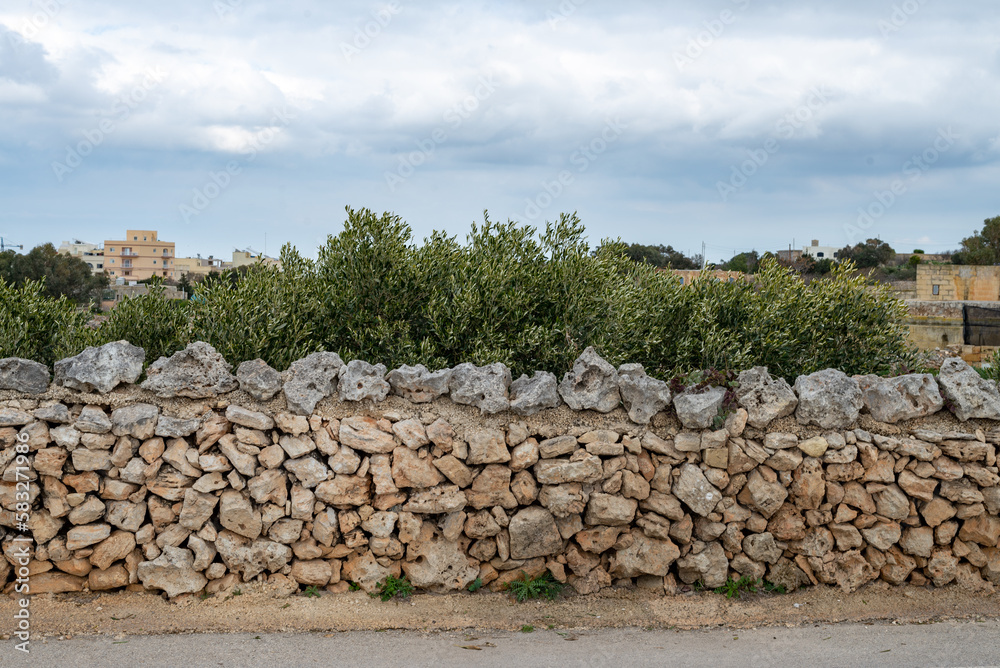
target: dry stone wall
<point>327,473</point>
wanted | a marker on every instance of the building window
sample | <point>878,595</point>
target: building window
<point>135,238</point>
<point>154,262</point>
<point>936,289</point>
<point>820,254</point>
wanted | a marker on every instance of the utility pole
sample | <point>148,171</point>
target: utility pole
<point>703,258</point>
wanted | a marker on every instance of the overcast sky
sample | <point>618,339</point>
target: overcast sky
<point>738,123</point>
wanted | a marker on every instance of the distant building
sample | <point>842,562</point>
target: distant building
<point>199,266</point>
<point>139,256</point>
<point>689,275</point>
<point>242,258</point>
<point>114,294</point>
<point>948,282</point>
<point>92,254</point>
<point>818,252</point>
<point>789,255</point>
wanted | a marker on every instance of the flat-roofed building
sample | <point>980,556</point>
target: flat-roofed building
<point>139,256</point>
<point>92,254</point>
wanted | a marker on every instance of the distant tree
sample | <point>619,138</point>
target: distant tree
<point>872,253</point>
<point>743,262</point>
<point>64,275</point>
<point>662,256</point>
<point>914,260</point>
<point>982,247</point>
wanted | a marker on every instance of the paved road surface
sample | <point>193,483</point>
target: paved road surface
<point>969,643</point>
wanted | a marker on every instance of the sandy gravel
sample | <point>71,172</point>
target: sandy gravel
<point>257,609</point>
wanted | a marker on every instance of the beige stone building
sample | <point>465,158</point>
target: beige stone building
<point>139,256</point>
<point>199,266</point>
<point>946,282</point>
<point>249,257</point>
<point>689,275</point>
<point>92,254</point>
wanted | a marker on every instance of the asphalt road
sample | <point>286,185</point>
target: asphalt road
<point>967,643</point>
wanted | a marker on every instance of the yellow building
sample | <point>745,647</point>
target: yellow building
<point>688,275</point>
<point>242,258</point>
<point>199,266</point>
<point>139,256</point>
<point>980,283</point>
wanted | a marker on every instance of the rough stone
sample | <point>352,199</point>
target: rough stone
<point>642,395</point>
<point>417,384</point>
<point>23,375</point>
<point>309,471</point>
<point>765,398</point>
<point>173,572</point>
<point>237,515</point>
<point>970,395</point>
<point>258,379</point>
<point>484,387</point>
<point>487,446</point>
<point>436,501</point>
<point>363,433</point>
<point>610,510</point>
<point>537,393</point>
<point>693,489</point>
<point>310,380</point>
<point>250,419</point>
<point>251,557</point>
<point>581,467</point>
<point>710,566</point>
<point>361,381</point>
<point>197,372</point>
<point>101,369</point>
<point>643,556</point>
<point>901,398</point>
<point>409,470</point>
<point>828,399</point>
<point>136,420</point>
<point>698,409</point>
<point>592,384</point>
<point>533,533</point>
<point>439,565</point>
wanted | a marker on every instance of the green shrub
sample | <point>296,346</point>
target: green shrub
<point>530,299</point>
<point>39,327</point>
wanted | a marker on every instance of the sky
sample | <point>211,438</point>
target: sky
<point>740,124</point>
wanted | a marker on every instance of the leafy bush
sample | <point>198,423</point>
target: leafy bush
<point>39,327</point>
<point>530,299</point>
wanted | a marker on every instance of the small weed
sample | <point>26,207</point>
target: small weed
<point>475,585</point>
<point>354,586</point>
<point>393,587</point>
<point>286,605</point>
<point>237,592</point>
<point>204,595</point>
<point>736,588</point>
<point>527,628</point>
<point>698,585</point>
<point>772,588</point>
<point>311,592</point>
<point>544,586</point>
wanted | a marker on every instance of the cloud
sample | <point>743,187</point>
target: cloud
<point>559,71</point>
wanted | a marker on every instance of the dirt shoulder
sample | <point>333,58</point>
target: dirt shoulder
<point>261,610</point>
